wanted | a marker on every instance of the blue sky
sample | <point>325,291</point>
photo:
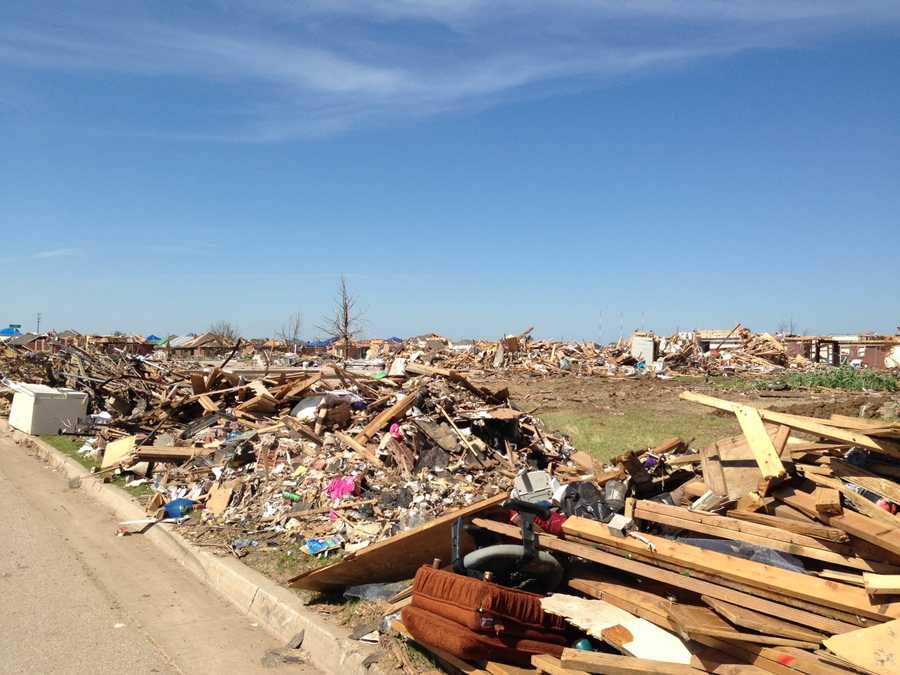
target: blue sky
<point>474,168</point>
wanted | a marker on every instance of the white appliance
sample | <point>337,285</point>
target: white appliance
<point>41,410</point>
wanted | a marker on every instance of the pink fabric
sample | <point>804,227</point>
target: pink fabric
<point>341,487</point>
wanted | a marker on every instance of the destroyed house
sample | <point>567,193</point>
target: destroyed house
<point>30,341</point>
<point>128,344</point>
<point>718,339</point>
<point>202,346</point>
<point>872,351</point>
<point>358,349</point>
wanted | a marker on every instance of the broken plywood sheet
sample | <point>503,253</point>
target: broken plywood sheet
<point>730,468</point>
<point>220,497</point>
<point>393,559</point>
<point>117,451</point>
<point>633,635</point>
<point>876,648</point>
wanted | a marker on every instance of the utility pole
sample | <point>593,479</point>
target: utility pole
<point>38,329</point>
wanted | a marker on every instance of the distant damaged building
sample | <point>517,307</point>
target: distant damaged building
<point>871,351</point>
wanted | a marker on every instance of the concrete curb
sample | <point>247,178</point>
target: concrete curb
<point>274,607</point>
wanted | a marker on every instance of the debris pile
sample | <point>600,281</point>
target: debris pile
<point>777,550</point>
<point>331,456</point>
<point>688,353</point>
<point>746,352</point>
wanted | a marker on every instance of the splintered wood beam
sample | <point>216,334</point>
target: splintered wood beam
<point>294,389</point>
<point>358,448</point>
<point>767,457</point>
<point>385,417</point>
<point>881,584</point>
<point>828,501</point>
<point>798,422</point>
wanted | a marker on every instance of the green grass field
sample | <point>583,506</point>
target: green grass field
<point>605,435</point>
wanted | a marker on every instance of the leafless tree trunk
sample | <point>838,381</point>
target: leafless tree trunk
<point>290,332</point>
<point>225,331</point>
<point>344,325</point>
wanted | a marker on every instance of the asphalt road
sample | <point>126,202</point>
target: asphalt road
<point>75,598</point>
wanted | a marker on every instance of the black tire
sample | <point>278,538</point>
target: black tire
<point>542,574</point>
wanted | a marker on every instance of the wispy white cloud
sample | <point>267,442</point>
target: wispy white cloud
<point>269,70</point>
<point>56,253</point>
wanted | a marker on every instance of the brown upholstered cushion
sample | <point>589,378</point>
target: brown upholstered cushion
<point>484,607</point>
<point>436,631</point>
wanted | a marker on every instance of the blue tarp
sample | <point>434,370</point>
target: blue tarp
<point>152,338</point>
<point>321,344</point>
<point>10,331</point>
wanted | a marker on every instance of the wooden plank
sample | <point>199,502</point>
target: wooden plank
<point>258,404</point>
<point>688,583</point>
<point>552,665</point>
<point>747,618</point>
<point>387,416</point>
<point>858,525</point>
<point>782,436</point>
<point>749,652</point>
<point>881,584</point>
<point>777,660</point>
<point>613,664</point>
<point>814,530</point>
<point>208,404</point>
<point>827,500</point>
<point>845,617</point>
<point>802,661</point>
<point>754,574</point>
<point>296,425</point>
<point>767,457</point>
<point>761,535</point>
<point>808,424</point>
<point>496,668</point>
<point>844,577</point>
<point>358,448</point>
<point>866,479</point>
<point>711,466</point>
<point>849,422</point>
<point>876,648</point>
<point>198,383</point>
<point>396,558</point>
<point>693,620</point>
<point>295,389</point>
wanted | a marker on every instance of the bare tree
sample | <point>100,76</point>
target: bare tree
<point>225,331</point>
<point>289,333</point>
<point>786,327</point>
<point>344,325</point>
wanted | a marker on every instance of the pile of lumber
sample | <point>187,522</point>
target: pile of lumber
<point>775,551</point>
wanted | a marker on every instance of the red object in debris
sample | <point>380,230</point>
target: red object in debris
<point>887,505</point>
<point>553,524</point>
